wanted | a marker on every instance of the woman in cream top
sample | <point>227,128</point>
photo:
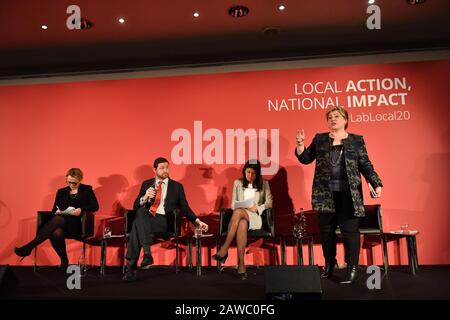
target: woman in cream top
<point>250,186</point>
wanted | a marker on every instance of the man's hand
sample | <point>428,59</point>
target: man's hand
<point>150,193</point>
<point>202,225</point>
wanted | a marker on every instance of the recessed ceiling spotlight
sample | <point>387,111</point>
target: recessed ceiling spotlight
<point>85,24</point>
<point>121,20</point>
<point>281,7</point>
<point>196,14</point>
<point>44,27</point>
<point>415,1</point>
<point>238,11</point>
<point>371,1</point>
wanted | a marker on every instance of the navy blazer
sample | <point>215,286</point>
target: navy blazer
<point>175,199</point>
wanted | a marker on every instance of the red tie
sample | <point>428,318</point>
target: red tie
<point>155,204</point>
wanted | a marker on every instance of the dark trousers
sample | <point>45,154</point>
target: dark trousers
<point>144,227</point>
<point>348,224</point>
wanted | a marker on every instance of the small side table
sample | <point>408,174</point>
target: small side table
<point>412,246</point>
<point>198,245</point>
<point>104,244</point>
<point>300,261</point>
<point>309,239</point>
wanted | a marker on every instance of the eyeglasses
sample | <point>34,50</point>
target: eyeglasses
<point>73,183</point>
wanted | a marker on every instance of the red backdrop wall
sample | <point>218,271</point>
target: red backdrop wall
<point>114,129</point>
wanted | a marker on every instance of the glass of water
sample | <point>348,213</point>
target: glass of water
<point>107,232</point>
<point>198,232</point>
<point>404,228</point>
<point>82,265</point>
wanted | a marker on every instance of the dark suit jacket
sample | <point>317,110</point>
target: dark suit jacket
<point>85,200</point>
<point>175,199</point>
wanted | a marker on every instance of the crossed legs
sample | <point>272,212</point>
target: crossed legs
<point>237,228</point>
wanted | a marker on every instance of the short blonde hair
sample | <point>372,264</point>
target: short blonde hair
<point>75,172</point>
<point>341,111</point>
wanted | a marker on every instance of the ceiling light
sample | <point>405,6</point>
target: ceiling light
<point>238,11</point>
<point>415,1</point>
<point>44,27</point>
<point>196,14</point>
<point>371,1</point>
<point>121,20</point>
<point>281,7</point>
<point>85,24</point>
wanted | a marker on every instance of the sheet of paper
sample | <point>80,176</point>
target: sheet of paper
<point>67,211</point>
<point>244,203</point>
<point>373,193</point>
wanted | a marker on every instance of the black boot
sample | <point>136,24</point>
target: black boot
<point>328,269</point>
<point>130,275</point>
<point>64,265</point>
<point>352,274</point>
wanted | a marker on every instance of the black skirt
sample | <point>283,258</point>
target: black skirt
<point>72,226</point>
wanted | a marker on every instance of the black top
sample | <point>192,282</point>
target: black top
<point>85,199</point>
<point>338,177</point>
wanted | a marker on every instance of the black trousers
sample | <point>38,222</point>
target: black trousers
<point>144,227</point>
<point>348,224</point>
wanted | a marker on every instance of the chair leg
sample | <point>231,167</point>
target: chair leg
<point>311,251</point>
<point>219,265</point>
<point>176,256</point>
<point>35,259</point>
<point>274,252</point>
<point>283,250</point>
<point>84,257</point>
<point>385,254</point>
<point>189,253</point>
<point>124,255</point>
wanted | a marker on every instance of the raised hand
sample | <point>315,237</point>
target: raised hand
<point>300,139</point>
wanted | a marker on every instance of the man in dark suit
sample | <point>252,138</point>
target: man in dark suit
<point>156,202</point>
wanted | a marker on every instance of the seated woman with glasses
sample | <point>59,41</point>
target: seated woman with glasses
<point>250,186</point>
<point>70,202</point>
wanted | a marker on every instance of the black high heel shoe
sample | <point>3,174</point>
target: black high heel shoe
<point>220,258</point>
<point>22,252</point>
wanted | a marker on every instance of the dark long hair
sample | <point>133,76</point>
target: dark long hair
<point>255,165</point>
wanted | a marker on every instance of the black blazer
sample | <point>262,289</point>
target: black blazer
<point>175,199</point>
<point>85,200</point>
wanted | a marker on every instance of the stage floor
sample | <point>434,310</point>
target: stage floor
<point>430,283</point>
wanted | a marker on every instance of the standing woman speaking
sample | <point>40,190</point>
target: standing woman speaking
<point>341,158</point>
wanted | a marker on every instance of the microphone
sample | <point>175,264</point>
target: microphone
<point>152,200</point>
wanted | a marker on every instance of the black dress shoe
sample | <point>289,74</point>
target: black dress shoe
<point>351,275</point>
<point>23,252</point>
<point>130,276</point>
<point>220,258</point>
<point>147,262</point>
<point>327,271</point>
